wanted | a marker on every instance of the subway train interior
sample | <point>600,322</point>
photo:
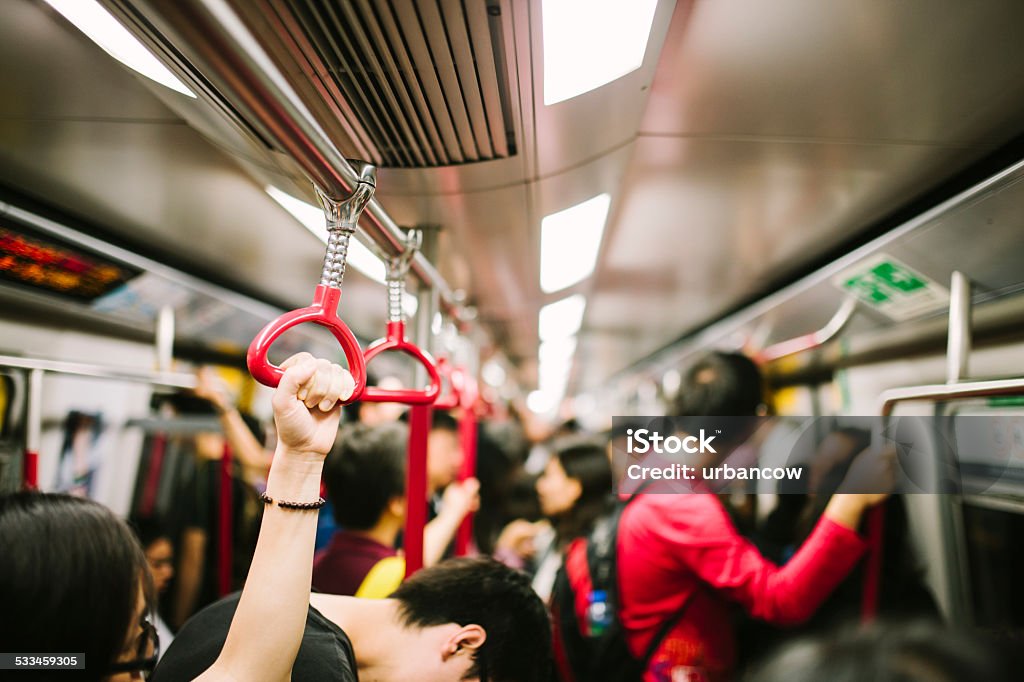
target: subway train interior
<point>557,218</point>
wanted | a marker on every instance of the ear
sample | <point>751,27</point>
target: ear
<point>467,639</point>
<point>397,506</point>
<point>576,487</point>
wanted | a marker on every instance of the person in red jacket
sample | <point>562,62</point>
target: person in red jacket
<point>682,551</point>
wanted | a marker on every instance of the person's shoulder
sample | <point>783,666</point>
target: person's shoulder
<point>198,643</point>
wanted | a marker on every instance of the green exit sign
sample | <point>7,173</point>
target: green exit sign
<point>893,288</point>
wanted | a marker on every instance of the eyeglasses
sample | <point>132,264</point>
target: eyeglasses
<point>145,655</point>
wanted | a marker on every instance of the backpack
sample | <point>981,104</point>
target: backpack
<point>596,650</point>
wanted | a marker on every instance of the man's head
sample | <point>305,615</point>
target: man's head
<point>477,620</point>
<point>727,385</point>
<point>444,451</point>
<point>365,475</point>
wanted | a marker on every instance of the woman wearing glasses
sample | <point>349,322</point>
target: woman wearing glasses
<point>74,582</point>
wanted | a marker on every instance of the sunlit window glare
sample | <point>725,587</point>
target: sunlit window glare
<point>312,218</point>
<point>570,241</point>
<point>588,43</point>
<point>104,30</point>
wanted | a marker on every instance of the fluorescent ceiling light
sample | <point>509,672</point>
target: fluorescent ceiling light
<point>359,257</point>
<point>570,241</point>
<point>540,402</point>
<point>588,43</point>
<point>493,373</point>
<point>558,352</point>
<point>562,318</point>
<point>104,30</point>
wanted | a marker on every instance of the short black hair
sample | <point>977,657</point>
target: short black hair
<point>442,420</point>
<point>148,529</point>
<point>69,579</point>
<point>720,385</point>
<point>915,652</point>
<point>364,470</point>
<point>484,592</point>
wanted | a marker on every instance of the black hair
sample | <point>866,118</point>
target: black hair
<point>442,420</point>
<point>70,573</point>
<point>727,385</point>
<point>907,653</point>
<point>364,471</point>
<point>148,529</point>
<point>720,385</point>
<point>484,592</point>
<point>587,463</point>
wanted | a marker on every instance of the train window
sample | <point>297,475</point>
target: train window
<point>995,551</point>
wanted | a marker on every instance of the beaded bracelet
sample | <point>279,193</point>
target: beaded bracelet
<point>267,499</point>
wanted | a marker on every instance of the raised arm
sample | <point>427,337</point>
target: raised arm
<point>460,498</point>
<point>248,451</point>
<point>270,619</point>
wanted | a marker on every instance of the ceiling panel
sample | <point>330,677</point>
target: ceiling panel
<point>928,71</point>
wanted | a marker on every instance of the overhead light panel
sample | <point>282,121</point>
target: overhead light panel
<point>588,43</point>
<point>312,217</point>
<point>570,241</point>
<point>103,29</point>
<point>562,318</point>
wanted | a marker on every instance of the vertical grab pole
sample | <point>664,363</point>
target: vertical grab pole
<point>225,518</point>
<point>416,487</point>
<point>33,431</point>
<point>467,438</point>
<point>420,418</point>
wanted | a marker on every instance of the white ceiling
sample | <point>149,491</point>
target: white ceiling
<point>755,138</point>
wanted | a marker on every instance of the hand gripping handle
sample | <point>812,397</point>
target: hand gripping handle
<point>395,341</point>
<point>324,312</point>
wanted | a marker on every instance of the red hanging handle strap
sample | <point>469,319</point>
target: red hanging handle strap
<point>395,341</point>
<point>342,218</point>
<point>324,312</point>
<point>451,399</point>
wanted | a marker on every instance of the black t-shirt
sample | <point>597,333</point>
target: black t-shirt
<point>325,653</point>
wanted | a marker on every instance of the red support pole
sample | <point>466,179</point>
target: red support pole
<point>873,564</point>
<point>225,554</point>
<point>467,437</point>
<point>30,470</point>
<point>147,505</point>
<point>416,488</point>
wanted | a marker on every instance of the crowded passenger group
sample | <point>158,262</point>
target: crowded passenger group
<point>571,574</point>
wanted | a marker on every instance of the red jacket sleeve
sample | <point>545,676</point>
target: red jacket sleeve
<point>711,548</point>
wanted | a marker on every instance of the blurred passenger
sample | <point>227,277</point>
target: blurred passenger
<point>159,550</point>
<point>365,477</point>
<point>908,653</point>
<point>681,562</point>
<point>470,619</point>
<point>73,579</point>
<point>198,507</point>
<point>444,452</point>
<point>574,492</point>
